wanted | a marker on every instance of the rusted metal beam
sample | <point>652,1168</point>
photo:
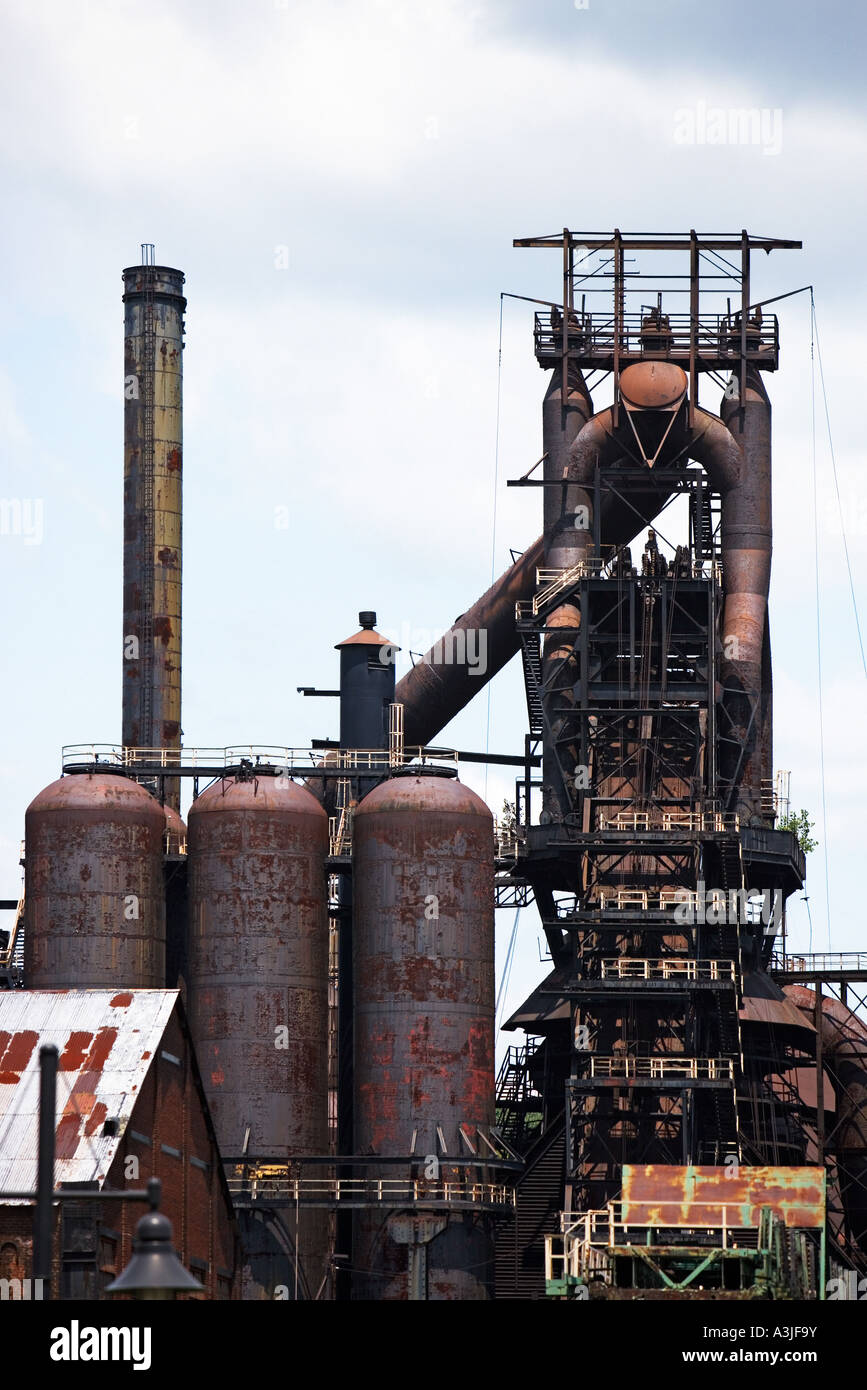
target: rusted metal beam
<point>639,242</point>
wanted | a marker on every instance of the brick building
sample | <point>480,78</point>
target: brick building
<point>130,1105</point>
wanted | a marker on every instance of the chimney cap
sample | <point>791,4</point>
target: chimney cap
<point>368,636</point>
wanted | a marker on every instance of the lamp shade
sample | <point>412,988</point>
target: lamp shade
<point>154,1269</point>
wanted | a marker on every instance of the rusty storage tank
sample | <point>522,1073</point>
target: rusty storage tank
<point>258,993</point>
<point>93,884</point>
<point>424,1023</point>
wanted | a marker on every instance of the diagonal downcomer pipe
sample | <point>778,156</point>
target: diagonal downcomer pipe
<point>438,687</point>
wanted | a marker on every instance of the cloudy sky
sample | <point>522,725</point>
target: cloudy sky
<point>341,184</point>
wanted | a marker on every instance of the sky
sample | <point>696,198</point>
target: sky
<point>341,184</point>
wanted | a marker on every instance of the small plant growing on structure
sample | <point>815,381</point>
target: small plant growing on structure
<point>799,823</point>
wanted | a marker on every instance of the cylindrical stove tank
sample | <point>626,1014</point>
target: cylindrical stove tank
<point>423,875</point>
<point>258,981</point>
<point>93,883</point>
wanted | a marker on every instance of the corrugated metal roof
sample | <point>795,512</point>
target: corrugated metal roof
<point>107,1040</point>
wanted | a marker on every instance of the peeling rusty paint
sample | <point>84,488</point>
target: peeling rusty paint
<point>424,1005</point>
<point>75,1051</point>
<point>258,975</point>
<point>152,509</point>
<point>258,962</point>
<point>100,1049</point>
<point>66,1136</point>
<point>15,1052</point>
<point>97,1118</point>
<point>121,1001</point>
<point>659,1194</point>
<point>99,1075</point>
<point>94,843</point>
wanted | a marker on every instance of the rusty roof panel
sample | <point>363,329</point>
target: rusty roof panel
<point>106,1040</point>
<point>779,1013</point>
<point>662,1195</point>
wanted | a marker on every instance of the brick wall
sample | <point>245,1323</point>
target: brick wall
<point>167,1137</point>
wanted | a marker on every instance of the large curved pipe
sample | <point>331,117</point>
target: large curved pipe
<point>603,439</point>
<point>735,450</point>
<point>844,1046</point>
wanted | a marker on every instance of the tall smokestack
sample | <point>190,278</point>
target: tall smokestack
<point>153,438</point>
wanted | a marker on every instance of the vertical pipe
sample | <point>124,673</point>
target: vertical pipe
<point>367,662</point>
<point>746,546</point>
<point>619,301</point>
<point>417,1255</point>
<point>564,415</point>
<point>42,1221</point>
<point>693,324</point>
<point>737,458</point>
<point>745,309</point>
<point>153,440</point>
<point>566,521</point>
<point>367,675</point>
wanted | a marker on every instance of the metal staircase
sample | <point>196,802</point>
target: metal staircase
<point>531,658</point>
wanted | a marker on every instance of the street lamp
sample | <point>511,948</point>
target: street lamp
<point>154,1272</point>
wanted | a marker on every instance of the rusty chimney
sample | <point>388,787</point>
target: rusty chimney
<point>153,440</point>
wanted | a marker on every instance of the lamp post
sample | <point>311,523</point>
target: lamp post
<point>154,1272</point>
